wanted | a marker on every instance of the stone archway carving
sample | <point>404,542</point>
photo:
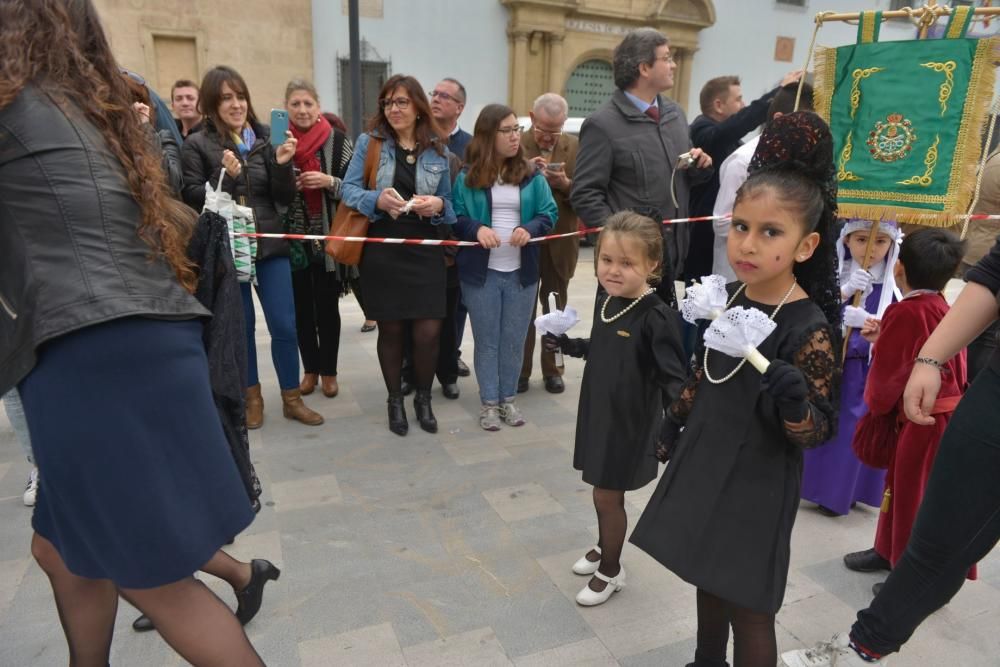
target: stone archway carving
<point>550,38</point>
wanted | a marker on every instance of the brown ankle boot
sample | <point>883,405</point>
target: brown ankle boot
<point>293,408</point>
<point>254,407</point>
<point>330,386</point>
<point>308,383</point>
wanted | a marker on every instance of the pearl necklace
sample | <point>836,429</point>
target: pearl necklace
<point>742,363</point>
<point>609,320</point>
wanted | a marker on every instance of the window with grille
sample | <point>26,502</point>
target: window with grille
<point>589,86</point>
<point>373,76</point>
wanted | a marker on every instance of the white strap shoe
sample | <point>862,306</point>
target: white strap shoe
<point>588,597</point>
<point>587,567</point>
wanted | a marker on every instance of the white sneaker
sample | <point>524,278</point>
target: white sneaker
<point>834,653</point>
<point>489,417</point>
<point>585,566</point>
<point>511,414</point>
<point>31,490</point>
<point>588,597</point>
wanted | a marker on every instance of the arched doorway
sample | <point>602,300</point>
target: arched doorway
<point>589,86</point>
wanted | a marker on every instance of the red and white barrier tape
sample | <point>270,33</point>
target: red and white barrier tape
<point>539,239</point>
<point>440,242</point>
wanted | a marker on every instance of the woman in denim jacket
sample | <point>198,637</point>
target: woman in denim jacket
<point>411,198</point>
<point>502,201</point>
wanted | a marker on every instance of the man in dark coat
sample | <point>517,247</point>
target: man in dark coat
<point>724,120</point>
<point>635,151</point>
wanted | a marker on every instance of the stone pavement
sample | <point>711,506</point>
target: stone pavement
<point>455,549</point>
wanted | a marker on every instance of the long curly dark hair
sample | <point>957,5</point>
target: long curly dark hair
<point>795,157</point>
<point>60,47</point>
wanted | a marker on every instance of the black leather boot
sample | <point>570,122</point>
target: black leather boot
<point>422,406</point>
<point>397,414</point>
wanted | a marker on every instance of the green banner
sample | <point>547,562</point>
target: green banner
<point>907,120</point>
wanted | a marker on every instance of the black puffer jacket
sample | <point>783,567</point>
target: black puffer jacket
<point>263,184</point>
<point>70,256</point>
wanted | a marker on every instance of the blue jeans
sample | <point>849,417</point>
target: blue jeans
<point>500,310</point>
<point>274,289</point>
<point>15,413</point>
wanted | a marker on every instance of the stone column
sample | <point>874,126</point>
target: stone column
<point>519,71</point>
<point>557,78</point>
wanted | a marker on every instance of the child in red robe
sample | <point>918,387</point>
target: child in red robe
<point>928,258</point>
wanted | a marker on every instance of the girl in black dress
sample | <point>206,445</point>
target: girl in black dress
<point>634,355</point>
<point>721,517</point>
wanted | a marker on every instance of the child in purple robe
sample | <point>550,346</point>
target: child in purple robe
<point>832,475</point>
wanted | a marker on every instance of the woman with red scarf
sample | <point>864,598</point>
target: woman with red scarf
<point>321,158</point>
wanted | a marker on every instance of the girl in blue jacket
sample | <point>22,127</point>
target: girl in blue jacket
<point>502,201</point>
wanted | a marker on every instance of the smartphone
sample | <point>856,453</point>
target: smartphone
<point>554,166</point>
<point>398,196</point>
<point>279,126</point>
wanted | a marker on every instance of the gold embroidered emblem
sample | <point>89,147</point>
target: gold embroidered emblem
<point>624,334</point>
<point>891,139</point>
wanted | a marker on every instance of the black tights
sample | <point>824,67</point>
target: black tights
<point>754,643</point>
<point>612,523</point>
<point>189,617</point>
<point>391,340</point>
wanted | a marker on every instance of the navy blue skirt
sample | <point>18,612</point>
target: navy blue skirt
<point>137,483</point>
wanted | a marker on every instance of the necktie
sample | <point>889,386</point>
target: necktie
<point>653,112</point>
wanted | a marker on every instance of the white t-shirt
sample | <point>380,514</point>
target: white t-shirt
<point>732,174</point>
<point>506,215</point>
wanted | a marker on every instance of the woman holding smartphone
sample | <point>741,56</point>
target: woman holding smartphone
<point>321,158</point>
<point>411,198</point>
<point>502,200</point>
<point>260,176</point>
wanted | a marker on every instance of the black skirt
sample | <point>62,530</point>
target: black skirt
<point>137,483</point>
<point>403,282</point>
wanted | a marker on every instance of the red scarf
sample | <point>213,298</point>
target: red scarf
<point>306,158</point>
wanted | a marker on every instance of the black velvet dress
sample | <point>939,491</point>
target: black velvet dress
<point>403,282</point>
<point>721,517</point>
<point>631,363</point>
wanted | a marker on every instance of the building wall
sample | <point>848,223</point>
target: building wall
<point>267,41</point>
<point>429,39</point>
<point>742,41</point>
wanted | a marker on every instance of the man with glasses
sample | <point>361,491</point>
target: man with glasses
<point>555,154</point>
<point>636,153</point>
<point>447,104</point>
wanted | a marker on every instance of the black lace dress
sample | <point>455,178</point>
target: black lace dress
<point>721,517</point>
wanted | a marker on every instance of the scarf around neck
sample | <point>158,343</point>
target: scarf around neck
<point>244,140</point>
<point>307,159</point>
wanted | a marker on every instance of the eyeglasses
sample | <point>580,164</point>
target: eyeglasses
<point>444,96</point>
<point>403,103</point>
<point>669,59</point>
<point>546,133</point>
<point>506,131</point>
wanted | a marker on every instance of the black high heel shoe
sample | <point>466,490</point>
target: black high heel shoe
<point>422,406</point>
<point>397,414</point>
<point>249,599</point>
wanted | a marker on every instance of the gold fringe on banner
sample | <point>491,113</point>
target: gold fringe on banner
<point>968,150</point>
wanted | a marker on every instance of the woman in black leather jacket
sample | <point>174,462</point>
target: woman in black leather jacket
<point>103,338</point>
<point>261,177</point>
